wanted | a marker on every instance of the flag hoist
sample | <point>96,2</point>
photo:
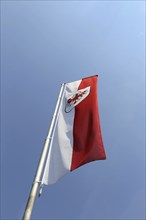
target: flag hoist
<point>74,137</point>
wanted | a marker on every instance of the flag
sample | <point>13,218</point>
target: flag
<point>77,137</point>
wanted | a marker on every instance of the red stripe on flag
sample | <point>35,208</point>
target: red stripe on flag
<point>87,140</point>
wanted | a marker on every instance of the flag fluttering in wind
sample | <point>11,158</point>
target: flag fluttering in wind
<point>74,137</point>
<point>77,138</point>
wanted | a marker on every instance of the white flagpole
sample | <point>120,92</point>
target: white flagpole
<point>35,184</point>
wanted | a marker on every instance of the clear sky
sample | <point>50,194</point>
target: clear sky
<point>45,43</point>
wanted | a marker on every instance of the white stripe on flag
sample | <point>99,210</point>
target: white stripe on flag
<point>60,153</point>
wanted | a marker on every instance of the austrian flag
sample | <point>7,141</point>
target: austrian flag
<point>77,137</point>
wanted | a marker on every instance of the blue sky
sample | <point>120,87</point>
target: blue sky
<point>45,43</point>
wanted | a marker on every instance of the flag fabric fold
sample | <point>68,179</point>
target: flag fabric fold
<point>77,138</point>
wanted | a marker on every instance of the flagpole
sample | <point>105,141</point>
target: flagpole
<point>36,182</point>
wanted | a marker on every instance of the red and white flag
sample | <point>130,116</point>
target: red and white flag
<point>77,138</point>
